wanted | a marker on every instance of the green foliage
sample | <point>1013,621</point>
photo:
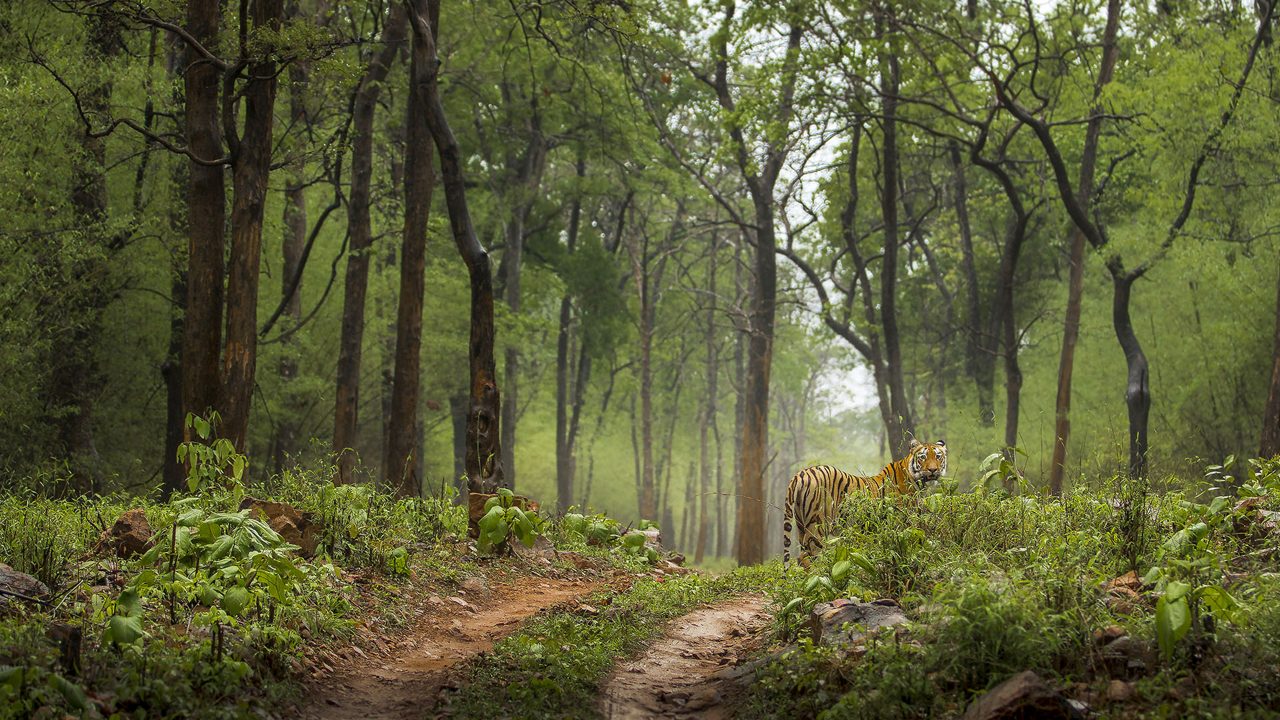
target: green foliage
<point>553,666</point>
<point>503,520</point>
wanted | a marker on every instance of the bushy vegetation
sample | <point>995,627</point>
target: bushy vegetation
<point>211,620</point>
<point>996,583</point>
<point>554,665</point>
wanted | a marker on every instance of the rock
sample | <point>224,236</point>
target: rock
<point>653,538</point>
<point>475,509</point>
<point>295,526</point>
<point>1126,657</point>
<point>1119,691</point>
<point>1022,696</point>
<point>475,585</point>
<point>676,558</point>
<point>1124,594</point>
<point>22,586</point>
<point>1252,519</point>
<point>130,536</point>
<point>541,549</point>
<point>1105,635</point>
<point>827,620</point>
<point>671,568</point>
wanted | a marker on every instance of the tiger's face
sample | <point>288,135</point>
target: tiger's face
<point>928,462</point>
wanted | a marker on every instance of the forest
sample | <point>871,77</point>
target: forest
<point>480,358</point>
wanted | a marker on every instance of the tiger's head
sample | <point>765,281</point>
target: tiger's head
<point>928,462</point>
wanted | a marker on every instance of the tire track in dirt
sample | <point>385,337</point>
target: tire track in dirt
<point>691,671</point>
<point>406,682</point>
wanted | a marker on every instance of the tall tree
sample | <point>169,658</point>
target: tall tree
<point>403,468</point>
<point>484,464</point>
<point>360,230</point>
<point>1270,446</point>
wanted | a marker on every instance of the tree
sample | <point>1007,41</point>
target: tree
<point>484,464</point>
<point>347,396</point>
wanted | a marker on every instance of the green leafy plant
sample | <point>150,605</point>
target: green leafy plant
<point>211,461</point>
<point>504,519</point>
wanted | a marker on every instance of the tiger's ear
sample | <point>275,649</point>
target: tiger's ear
<point>914,444</point>
<point>942,443</point>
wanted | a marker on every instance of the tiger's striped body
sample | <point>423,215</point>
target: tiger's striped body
<point>815,493</point>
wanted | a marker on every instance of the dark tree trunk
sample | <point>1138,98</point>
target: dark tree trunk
<point>646,287</point>
<point>1271,415</point>
<point>295,239</point>
<point>251,166</point>
<point>206,216</point>
<point>1137,395</point>
<point>760,181</point>
<point>1075,284</point>
<point>980,347</point>
<point>403,466</point>
<point>566,429</point>
<point>175,475</point>
<point>359,229</point>
<point>902,425</point>
<point>484,466</point>
<point>709,411</point>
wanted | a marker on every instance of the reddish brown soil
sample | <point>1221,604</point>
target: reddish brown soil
<point>401,676</point>
<point>693,670</point>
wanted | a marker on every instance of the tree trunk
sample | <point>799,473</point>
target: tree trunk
<point>1271,415</point>
<point>359,229</point>
<point>979,346</point>
<point>251,166</point>
<point>484,466</point>
<point>1137,394</point>
<point>709,411</point>
<point>295,238</point>
<point>458,417</point>
<point>902,426</point>
<point>174,472</point>
<point>564,440</point>
<point>206,217</point>
<point>403,467</point>
<point>646,500</point>
<point>1075,283</point>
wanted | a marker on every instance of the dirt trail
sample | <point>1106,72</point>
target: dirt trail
<point>690,671</point>
<point>405,681</point>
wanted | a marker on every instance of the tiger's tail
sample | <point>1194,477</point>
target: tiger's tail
<point>788,513</point>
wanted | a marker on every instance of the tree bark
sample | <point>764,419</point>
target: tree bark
<point>251,166</point>
<point>403,465</point>
<point>1075,283</point>
<point>1138,388</point>
<point>902,426</point>
<point>979,346</point>
<point>295,239</point>
<point>484,465</point>
<point>359,229</point>
<point>709,411</point>
<point>760,181</point>
<point>566,429</point>
<point>1270,446</point>
<point>206,216</point>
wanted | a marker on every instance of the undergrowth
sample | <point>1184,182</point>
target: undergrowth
<point>995,584</point>
<point>553,667</point>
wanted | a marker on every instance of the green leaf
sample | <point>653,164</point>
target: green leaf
<point>1173,620</point>
<point>70,692</point>
<point>790,606</point>
<point>1219,600</point>
<point>129,602</point>
<point>1176,590</point>
<point>123,630</point>
<point>840,571</point>
<point>634,540</point>
<point>235,600</point>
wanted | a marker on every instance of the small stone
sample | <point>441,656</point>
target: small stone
<point>1025,695</point>
<point>1119,691</point>
<point>827,621</point>
<point>475,585</point>
<point>1105,635</point>
<point>293,525</point>
<point>130,536</point>
<point>21,584</point>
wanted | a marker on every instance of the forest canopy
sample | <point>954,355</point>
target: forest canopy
<point>720,242</point>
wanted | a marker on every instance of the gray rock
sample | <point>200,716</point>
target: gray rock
<point>1022,697</point>
<point>18,587</point>
<point>848,621</point>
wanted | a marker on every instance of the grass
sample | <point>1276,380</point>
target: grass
<point>996,584</point>
<point>553,667</point>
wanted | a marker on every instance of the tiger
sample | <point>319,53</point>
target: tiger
<point>815,493</point>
